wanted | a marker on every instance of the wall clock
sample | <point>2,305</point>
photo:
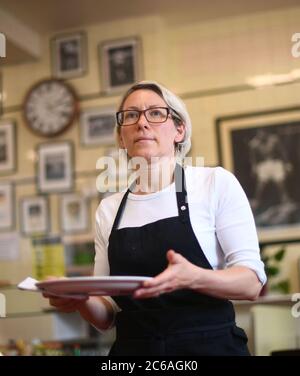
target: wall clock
<point>50,107</point>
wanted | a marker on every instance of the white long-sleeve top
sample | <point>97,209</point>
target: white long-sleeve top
<point>220,215</point>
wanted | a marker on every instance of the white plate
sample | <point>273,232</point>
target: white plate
<point>113,285</point>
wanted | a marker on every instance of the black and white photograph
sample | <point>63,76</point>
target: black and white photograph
<point>35,216</point>
<point>263,151</point>
<point>69,55</point>
<point>74,213</point>
<point>121,63</point>
<point>97,126</point>
<point>7,147</point>
<point>55,167</point>
<point>6,206</point>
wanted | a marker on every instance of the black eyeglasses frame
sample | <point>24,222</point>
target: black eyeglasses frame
<point>169,112</point>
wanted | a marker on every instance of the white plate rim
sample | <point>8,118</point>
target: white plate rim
<point>108,279</point>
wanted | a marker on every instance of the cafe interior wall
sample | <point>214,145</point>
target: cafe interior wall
<point>200,61</point>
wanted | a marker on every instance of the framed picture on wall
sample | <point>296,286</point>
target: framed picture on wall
<point>34,218</point>
<point>121,63</point>
<point>97,126</point>
<point>263,151</point>
<point>7,147</point>
<point>74,213</point>
<point>55,167</point>
<point>6,206</point>
<point>69,55</point>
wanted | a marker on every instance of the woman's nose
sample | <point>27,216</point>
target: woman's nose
<point>143,122</point>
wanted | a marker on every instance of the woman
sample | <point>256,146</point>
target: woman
<point>194,234</point>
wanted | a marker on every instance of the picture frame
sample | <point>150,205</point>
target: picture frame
<point>262,149</point>
<point>8,157</point>
<point>55,163</point>
<point>7,218</point>
<point>74,214</point>
<point>34,215</point>
<point>69,55</point>
<point>97,126</point>
<point>121,63</point>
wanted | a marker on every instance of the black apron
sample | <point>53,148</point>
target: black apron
<point>182,322</point>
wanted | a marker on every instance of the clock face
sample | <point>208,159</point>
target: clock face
<point>50,107</point>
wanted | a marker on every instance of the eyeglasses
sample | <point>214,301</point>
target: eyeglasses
<point>153,115</point>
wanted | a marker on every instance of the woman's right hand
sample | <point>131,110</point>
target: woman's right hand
<point>65,305</point>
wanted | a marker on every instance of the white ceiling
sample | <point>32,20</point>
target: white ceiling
<point>43,16</point>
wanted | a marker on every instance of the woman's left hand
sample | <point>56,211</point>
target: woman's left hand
<point>180,274</point>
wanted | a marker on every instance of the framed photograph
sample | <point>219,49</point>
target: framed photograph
<point>74,213</point>
<point>6,206</point>
<point>34,218</point>
<point>7,147</point>
<point>121,63</point>
<point>263,151</point>
<point>97,126</point>
<point>55,167</point>
<point>69,55</point>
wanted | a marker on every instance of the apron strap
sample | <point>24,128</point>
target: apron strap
<point>120,210</point>
<point>181,194</point>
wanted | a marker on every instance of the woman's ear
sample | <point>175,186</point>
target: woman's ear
<point>180,133</point>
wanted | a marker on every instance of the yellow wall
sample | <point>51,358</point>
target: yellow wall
<point>185,55</point>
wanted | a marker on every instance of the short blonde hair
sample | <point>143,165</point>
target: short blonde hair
<point>179,114</point>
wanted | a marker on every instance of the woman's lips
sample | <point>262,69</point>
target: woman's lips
<point>144,139</point>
